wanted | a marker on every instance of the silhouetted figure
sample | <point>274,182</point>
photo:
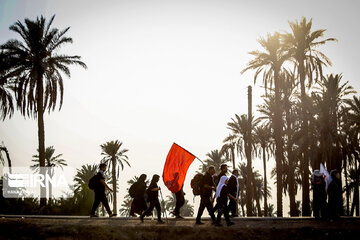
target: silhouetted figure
<point>223,171</point>
<point>137,190</point>
<point>335,196</point>
<point>233,187</point>
<point>180,201</point>
<point>205,197</point>
<point>153,198</point>
<point>319,195</point>
<point>222,194</point>
<point>100,192</point>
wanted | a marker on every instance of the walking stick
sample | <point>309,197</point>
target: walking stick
<point>162,199</point>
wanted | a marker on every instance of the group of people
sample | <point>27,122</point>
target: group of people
<point>145,199</point>
<point>226,195</point>
<point>332,208</point>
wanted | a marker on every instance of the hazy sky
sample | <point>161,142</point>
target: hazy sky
<point>161,72</point>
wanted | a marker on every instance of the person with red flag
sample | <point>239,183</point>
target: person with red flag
<point>177,163</point>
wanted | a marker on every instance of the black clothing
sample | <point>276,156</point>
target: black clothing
<point>138,205</point>
<point>319,197</point>
<point>153,203</point>
<point>217,178</point>
<point>207,180</point>
<point>180,201</point>
<point>335,199</point>
<point>152,195</point>
<point>99,186</point>
<point>100,197</point>
<point>205,202</point>
<point>232,186</point>
<point>222,205</point>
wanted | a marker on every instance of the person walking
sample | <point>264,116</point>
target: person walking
<point>153,198</point>
<point>99,190</point>
<point>233,187</point>
<point>207,187</point>
<point>222,194</point>
<point>137,191</point>
<point>335,196</point>
<point>180,201</point>
<point>319,195</point>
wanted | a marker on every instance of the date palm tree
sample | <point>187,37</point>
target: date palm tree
<point>6,89</point>
<point>301,43</point>
<point>214,158</point>
<point>117,157</point>
<point>240,135</point>
<point>270,63</point>
<point>263,137</point>
<point>83,176</point>
<point>36,66</point>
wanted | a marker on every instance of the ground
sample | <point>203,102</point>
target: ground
<point>66,227</point>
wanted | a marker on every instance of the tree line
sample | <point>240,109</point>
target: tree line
<point>306,117</point>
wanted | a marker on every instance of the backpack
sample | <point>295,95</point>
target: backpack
<point>132,190</point>
<point>93,182</point>
<point>196,184</point>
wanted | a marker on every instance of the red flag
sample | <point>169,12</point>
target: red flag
<point>177,163</point>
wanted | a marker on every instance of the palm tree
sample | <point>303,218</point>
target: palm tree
<point>332,96</point>
<point>83,176</point>
<point>301,44</point>
<point>4,149</point>
<point>51,162</point>
<point>228,150</point>
<point>214,158</point>
<point>6,89</point>
<point>262,136</point>
<point>37,67</point>
<point>270,63</point>
<point>240,134</point>
<point>116,156</point>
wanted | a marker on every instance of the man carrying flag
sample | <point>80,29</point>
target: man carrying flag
<point>177,163</point>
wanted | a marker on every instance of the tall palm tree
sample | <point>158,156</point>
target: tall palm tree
<point>239,127</point>
<point>51,162</point>
<point>116,156</point>
<point>36,66</point>
<point>301,43</point>
<point>270,63</point>
<point>262,137</point>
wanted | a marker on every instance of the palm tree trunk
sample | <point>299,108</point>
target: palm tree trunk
<point>265,184</point>
<point>305,130</point>
<point>41,135</point>
<point>249,194</point>
<point>114,184</point>
<point>7,156</point>
<point>290,155</point>
<point>347,187</point>
<point>279,144</point>
<point>356,191</point>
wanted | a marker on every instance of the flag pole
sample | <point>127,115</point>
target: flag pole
<point>191,154</point>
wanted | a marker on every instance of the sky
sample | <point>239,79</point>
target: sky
<point>161,72</point>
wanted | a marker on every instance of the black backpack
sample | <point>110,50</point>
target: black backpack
<point>196,184</point>
<point>93,182</point>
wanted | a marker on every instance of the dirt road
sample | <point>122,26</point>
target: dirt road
<point>72,227</point>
